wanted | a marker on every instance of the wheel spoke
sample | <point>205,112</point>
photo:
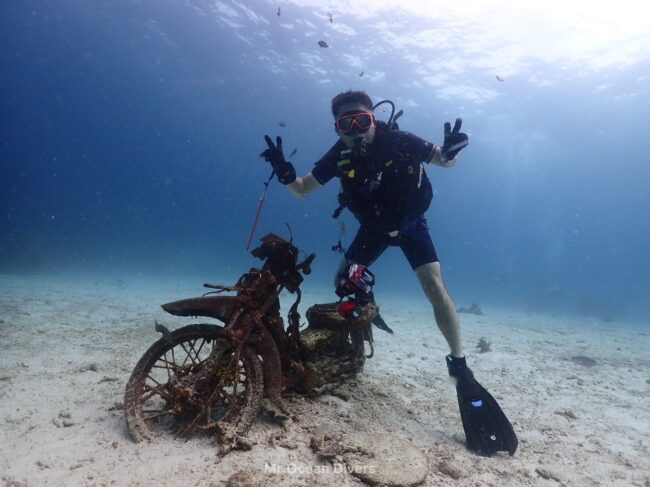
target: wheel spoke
<point>158,414</point>
<point>154,380</point>
<point>187,356</point>
<point>169,374</point>
<point>166,361</point>
<point>196,354</point>
<point>165,367</point>
<point>161,390</point>
<point>200,348</point>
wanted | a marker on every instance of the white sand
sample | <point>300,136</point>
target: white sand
<point>67,348</point>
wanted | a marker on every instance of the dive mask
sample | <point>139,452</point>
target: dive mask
<point>354,122</point>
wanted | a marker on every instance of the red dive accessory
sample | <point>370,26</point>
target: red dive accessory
<point>349,309</point>
<point>357,122</point>
<point>357,281</point>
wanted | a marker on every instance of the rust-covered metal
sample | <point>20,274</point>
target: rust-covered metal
<point>218,307</point>
<point>213,378</point>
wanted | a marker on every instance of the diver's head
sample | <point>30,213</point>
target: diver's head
<point>354,118</point>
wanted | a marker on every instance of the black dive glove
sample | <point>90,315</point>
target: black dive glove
<point>454,141</point>
<point>284,170</point>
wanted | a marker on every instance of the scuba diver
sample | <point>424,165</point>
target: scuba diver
<point>385,186</point>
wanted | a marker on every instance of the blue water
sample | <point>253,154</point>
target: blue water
<point>130,134</point>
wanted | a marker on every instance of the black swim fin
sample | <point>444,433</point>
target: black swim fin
<point>487,429</point>
<point>379,322</point>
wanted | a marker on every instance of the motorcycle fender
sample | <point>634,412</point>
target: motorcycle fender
<point>219,307</point>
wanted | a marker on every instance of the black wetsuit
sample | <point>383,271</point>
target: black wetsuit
<point>388,191</point>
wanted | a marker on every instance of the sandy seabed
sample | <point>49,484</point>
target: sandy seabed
<point>67,348</point>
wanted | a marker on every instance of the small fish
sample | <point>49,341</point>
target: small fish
<point>361,74</point>
<point>282,124</point>
<point>499,78</point>
<point>331,18</point>
<point>293,152</point>
<point>323,44</point>
<point>279,13</point>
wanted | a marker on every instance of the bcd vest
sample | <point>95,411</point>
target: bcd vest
<point>383,189</point>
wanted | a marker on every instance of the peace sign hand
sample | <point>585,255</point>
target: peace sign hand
<point>285,171</point>
<point>454,141</point>
<point>274,153</point>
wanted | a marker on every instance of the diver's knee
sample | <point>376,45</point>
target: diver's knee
<point>431,281</point>
<point>429,275</point>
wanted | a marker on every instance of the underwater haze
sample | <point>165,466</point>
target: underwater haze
<point>131,131</point>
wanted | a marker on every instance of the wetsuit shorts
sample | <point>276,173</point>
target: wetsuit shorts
<point>414,240</point>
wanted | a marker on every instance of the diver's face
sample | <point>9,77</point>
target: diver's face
<point>355,123</point>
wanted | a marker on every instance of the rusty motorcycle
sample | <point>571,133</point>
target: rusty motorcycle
<point>215,378</point>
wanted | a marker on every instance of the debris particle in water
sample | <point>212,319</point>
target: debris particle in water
<point>323,44</point>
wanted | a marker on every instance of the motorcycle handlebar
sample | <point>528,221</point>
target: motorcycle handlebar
<point>305,265</point>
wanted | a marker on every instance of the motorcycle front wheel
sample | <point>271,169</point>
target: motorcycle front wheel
<point>194,379</point>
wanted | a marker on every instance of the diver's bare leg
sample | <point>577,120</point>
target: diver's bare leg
<point>444,309</point>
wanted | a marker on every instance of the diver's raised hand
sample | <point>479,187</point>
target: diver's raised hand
<point>274,153</point>
<point>454,141</point>
<point>275,156</point>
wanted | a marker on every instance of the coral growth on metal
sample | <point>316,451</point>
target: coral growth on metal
<point>207,377</point>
